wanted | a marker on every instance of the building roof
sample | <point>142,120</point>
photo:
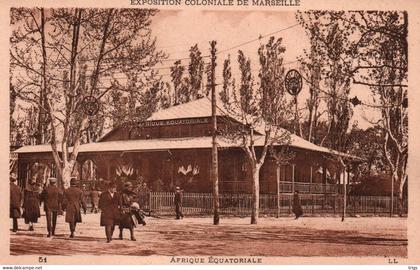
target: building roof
<point>174,143</point>
<point>194,109</point>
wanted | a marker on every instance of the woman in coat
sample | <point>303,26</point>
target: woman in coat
<point>31,204</point>
<point>109,203</point>
<point>297,207</point>
<point>15,201</point>
<point>72,202</point>
<point>128,197</point>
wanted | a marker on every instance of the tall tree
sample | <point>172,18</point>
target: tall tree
<point>195,71</point>
<point>261,110</point>
<point>377,41</point>
<point>105,42</point>
<point>177,72</point>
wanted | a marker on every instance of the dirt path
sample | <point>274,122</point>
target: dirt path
<point>373,236</point>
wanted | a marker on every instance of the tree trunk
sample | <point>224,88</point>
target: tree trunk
<point>255,193</point>
<point>66,175</point>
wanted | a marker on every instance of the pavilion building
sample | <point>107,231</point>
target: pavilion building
<point>173,148</point>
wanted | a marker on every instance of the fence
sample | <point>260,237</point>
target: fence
<point>162,203</point>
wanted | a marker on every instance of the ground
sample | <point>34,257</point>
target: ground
<point>307,236</point>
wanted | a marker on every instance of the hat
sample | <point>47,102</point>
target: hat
<point>73,181</point>
<point>177,188</point>
<point>135,205</point>
<point>111,184</point>
<point>13,177</point>
<point>52,180</point>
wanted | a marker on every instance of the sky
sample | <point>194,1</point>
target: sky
<point>177,30</point>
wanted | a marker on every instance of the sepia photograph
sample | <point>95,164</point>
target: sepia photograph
<point>208,136</point>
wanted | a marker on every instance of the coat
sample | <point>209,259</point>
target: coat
<point>31,205</point>
<point>72,201</point>
<point>94,196</point>
<point>297,207</point>
<point>178,198</point>
<point>126,219</point>
<point>15,201</point>
<point>52,197</point>
<point>110,213</point>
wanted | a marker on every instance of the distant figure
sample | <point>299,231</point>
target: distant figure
<point>31,204</point>
<point>178,203</point>
<point>94,197</point>
<point>109,204</point>
<point>159,185</point>
<point>144,195</point>
<point>52,197</point>
<point>297,207</point>
<point>73,201</point>
<point>15,201</point>
<point>128,197</point>
<point>86,195</point>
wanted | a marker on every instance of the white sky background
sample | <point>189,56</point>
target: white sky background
<point>177,30</point>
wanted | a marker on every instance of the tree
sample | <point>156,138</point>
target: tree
<point>66,55</point>
<point>310,66</point>
<point>177,71</point>
<point>261,111</point>
<point>195,71</point>
<point>228,81</point>
<point>377,43</point>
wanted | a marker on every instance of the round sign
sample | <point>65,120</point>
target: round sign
<point>90,105</point>
<point>293,82</point>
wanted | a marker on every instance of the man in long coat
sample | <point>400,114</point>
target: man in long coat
<point>15,201</point>
<point>73,201</point>
<point>52,197</point>
<point>178,203</point>
<point>297,207</point>
<point>109,202</point>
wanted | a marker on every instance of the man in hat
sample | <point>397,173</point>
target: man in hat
<point>178,203</point>
<point>73,200</point>
<point>52,198</point>
<point>15,201</point>
<point>296,206</point>
<point>109,203</point>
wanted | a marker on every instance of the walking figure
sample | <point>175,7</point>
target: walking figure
<point>178,203</point>
<point>72,202</point>
<point>109,204</point>
<point>94,197</point>
<point>15,201</point>
<point>128,197</point>
<point>297,207</point>
<point>31,204</point>
<point>52,197</point>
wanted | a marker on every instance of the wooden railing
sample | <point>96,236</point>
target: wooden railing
<point>162,203</point>
<point>271,187</point>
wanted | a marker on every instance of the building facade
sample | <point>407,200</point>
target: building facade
<point>173,148</point>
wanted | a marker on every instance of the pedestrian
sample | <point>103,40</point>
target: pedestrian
<point>297,207</point>
<point>178,203</point>
<point>109,202</point>
<point>31,204</point>
<point>72,202</point>
<point>128,197</point>
<point>144,196</point>
<point>52,196</point>
<point>94,197</point>
<point>15,201</point>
